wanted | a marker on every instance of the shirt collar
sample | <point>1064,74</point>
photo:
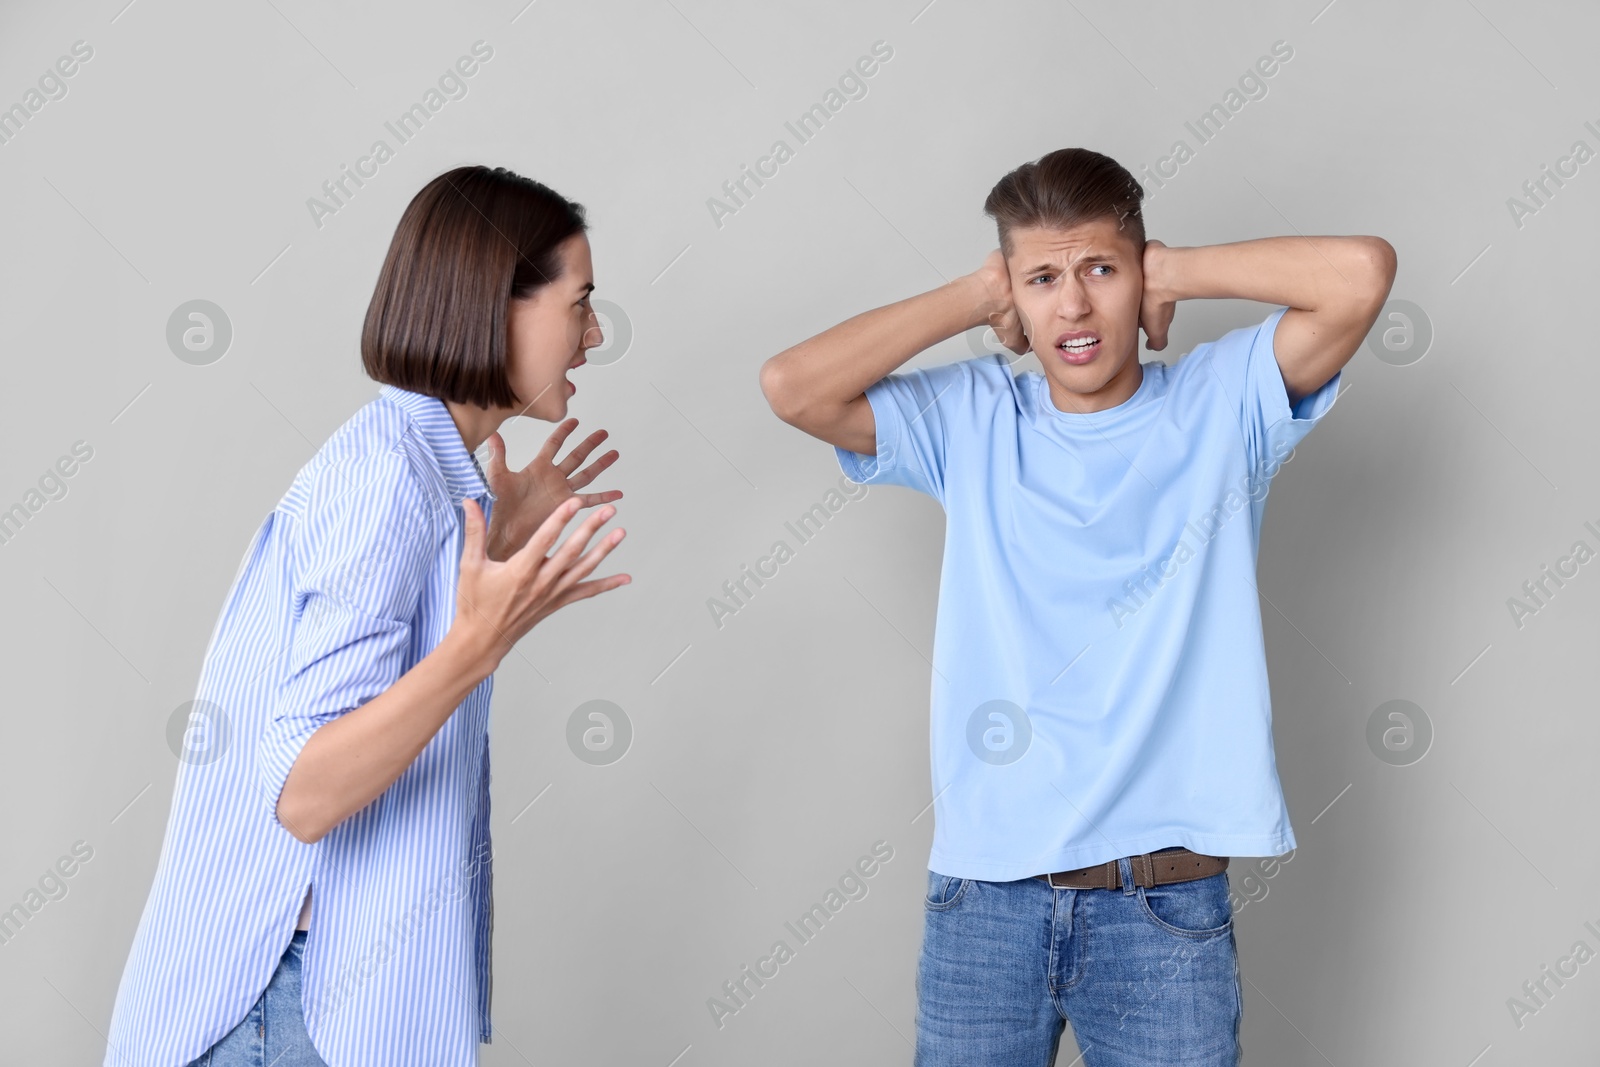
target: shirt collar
<point>462,474</point>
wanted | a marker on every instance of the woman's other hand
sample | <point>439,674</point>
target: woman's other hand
<point>525,498</point>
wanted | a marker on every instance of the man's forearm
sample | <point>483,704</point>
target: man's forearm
<point>1333,286</point>
<point>836,366</point>
<point>1312,273</point>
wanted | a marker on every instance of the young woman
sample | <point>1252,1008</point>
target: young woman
<point>345,692</point>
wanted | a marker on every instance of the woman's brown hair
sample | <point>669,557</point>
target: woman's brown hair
<point>471,241</point>
<point>1065,188</point>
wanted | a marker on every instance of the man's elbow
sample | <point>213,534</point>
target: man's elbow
<point>1379,264</point>
<point>780,397</point>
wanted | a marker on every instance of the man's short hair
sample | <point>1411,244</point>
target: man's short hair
<point>469,242</point>
<point>1066,188</point>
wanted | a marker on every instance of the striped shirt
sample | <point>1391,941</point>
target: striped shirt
<point>349,582</point>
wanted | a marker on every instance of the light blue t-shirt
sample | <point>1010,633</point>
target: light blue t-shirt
<point>1100,683</point>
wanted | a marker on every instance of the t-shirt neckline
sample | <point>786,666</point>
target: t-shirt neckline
<point>1047,405</point>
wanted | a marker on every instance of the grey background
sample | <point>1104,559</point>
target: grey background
<point>769,754</point>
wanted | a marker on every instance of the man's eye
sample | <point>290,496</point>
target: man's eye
<point>1039,277</point>
<point>1101,266</point>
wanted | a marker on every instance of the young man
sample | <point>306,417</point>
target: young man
<point>1101,723</point>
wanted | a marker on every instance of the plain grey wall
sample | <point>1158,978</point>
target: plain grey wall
<point>769,753</point>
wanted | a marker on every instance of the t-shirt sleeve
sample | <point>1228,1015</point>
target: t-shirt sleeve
<point>914,412</point>
<point>370,532</point>
<point>1246,363</point>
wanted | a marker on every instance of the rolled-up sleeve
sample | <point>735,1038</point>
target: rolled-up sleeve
<point>368,536</point>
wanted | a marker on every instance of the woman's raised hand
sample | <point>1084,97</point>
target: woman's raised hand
<point>497,603</point>
<point>525,498</point>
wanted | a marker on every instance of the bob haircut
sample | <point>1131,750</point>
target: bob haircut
<point>468,244</point>
<point>1066,188</point>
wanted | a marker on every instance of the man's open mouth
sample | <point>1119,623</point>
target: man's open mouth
<point>1078,346</point>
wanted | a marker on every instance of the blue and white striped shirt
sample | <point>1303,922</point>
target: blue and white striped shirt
<point>349,582</point>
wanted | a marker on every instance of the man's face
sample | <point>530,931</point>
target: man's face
<point>1076,286</point>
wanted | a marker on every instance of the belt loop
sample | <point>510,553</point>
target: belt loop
<point>1125,868</point>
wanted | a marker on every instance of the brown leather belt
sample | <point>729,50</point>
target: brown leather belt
<point>1150,868</point>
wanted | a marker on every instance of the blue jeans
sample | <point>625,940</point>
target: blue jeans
<point>1145,976</point>
<point>274,1031</point>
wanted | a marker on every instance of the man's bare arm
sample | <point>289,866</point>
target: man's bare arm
<point>1334,288</point>
<point>819,385</point>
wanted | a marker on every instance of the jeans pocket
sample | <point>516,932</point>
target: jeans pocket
<point>1198,908</point>
<point>944,891</point>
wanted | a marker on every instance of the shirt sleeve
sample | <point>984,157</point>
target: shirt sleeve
<point>914,413</point>
<point>369,535</point>
<point>1246,363</point>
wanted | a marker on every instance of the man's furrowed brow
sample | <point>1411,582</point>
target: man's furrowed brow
<point>1087,257</point>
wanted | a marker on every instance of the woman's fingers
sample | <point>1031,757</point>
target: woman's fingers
<point>583,566</point>
<point>530,557</point>
<point>552,444</point>
<point>584,590</point>
<point>581,451</point>
<point>562,559</point>
<point>502,603</point>
<point>497,456</point>
<point>592,471</point>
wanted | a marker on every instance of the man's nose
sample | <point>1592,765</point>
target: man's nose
<point>1072,300</point>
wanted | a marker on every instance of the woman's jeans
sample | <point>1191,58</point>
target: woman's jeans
<point>1145,976</point>
<point>273,1034</point>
